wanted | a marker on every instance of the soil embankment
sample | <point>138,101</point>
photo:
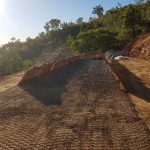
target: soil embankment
<point>89,111</point>
<point>135,76</point>
<point>38,71</point>
<point>140,47</point>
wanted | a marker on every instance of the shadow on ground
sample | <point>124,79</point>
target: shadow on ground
<point>48,88</point>
<point>132,83</point>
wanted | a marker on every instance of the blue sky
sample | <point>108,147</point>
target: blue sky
<point>24,18</point>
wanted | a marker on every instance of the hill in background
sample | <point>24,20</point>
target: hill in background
<point>112,30</point>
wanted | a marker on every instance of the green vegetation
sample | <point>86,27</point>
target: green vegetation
<point>10,62</point>
<point>98,10</point>
<point>93,40</point>
<point>116,28</point>
<point>113,29</point>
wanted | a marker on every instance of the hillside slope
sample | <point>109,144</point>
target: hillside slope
<point>135,74</point>
<point>79,106</point>
<point>140,47</point>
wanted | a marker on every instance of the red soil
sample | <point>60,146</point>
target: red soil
<point>140,47</point>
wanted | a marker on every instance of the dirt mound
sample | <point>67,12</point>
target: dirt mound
<point>38,71</point>
<point>140,47</point>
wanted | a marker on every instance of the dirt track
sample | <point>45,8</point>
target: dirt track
<point>10,81</point>
<point>77,107</point>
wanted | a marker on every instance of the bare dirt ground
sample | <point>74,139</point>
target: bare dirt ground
<point>10,81</point>
<point>139,47</point>
<point>135,75</point>
<point>77,107</point>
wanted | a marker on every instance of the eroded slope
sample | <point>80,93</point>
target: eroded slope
<point>92,112</point>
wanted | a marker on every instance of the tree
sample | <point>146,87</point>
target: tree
<point>131,19</point>
<point>92,40</point>
<point>139,1</point>
<point>91,19</point>
<point>41,35</point>
<point>54,24</point>
<point>47,27</point>
<point>10,62</point>
<point>71,24</point>
<point>98,10</point>
<point>13,39</point>
<point>64,25</point>
<point>26,64</point>
<point>80,20</point>
<point>119,5</point>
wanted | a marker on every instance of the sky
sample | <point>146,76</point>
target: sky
<point>24,18</point>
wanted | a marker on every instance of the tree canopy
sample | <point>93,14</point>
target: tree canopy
<point>98,10</point>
